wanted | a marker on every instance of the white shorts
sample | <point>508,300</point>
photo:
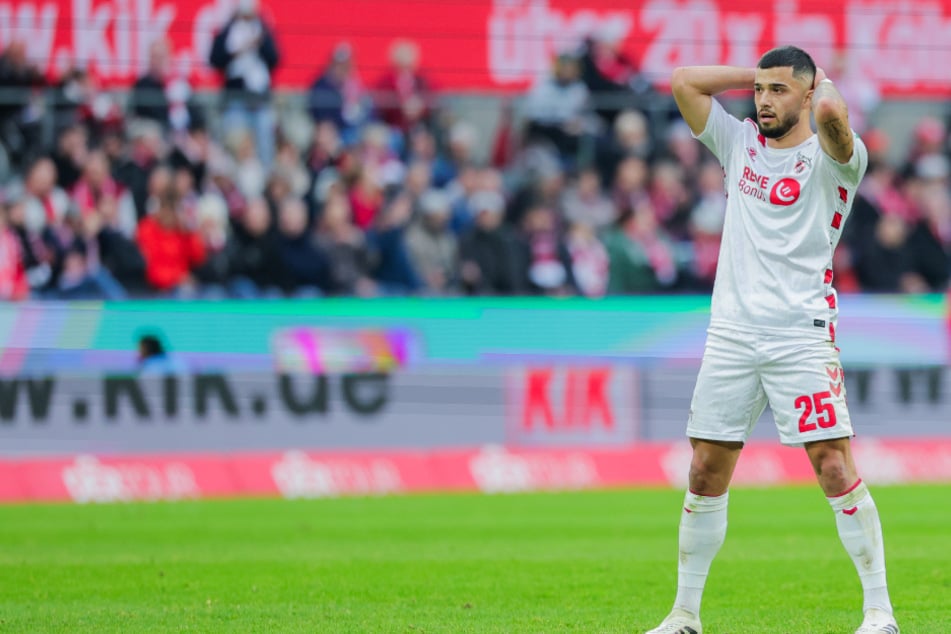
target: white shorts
<point>802,380</point>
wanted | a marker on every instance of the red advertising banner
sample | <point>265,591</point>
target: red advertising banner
<point>500,45</point>
<point>572,406</point>
<point>490,469</point>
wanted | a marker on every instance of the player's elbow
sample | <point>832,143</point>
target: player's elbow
<point>680,81</point>
<point>829,109</point>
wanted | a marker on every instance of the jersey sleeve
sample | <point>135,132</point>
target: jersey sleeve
<point>721,132</point>
<point>850,173</point>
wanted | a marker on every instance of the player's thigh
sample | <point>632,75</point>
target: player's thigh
<point>805,385</point>
<point>728,398</point>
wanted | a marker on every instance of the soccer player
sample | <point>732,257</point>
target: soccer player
<point>772,324</point>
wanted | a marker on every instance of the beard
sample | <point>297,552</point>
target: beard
<point>779,127</point>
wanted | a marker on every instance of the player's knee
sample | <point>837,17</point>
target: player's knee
<point>832,469</point>
<point>707,477</point>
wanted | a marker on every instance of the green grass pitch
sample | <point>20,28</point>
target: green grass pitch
<point>567,562</point>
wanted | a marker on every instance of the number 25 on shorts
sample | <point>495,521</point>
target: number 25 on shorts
<point>825,411</point>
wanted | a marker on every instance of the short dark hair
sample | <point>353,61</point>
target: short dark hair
<point>151,346</point>
<point>800,60</point>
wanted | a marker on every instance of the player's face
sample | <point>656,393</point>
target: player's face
<point>780,98</point>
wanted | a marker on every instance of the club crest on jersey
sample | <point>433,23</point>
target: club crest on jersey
<point>803,163</point>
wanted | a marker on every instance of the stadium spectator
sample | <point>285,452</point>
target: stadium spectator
<point>683,149</point>
<point>547,263</point>
<point>258,267</point>
<point>887,265</point>
<point>191,151</point>
<point>290,165</point>
<point>188,196</point>
<point>460,151</point>
<point>433,247</point>
<point>640,253</point>
<point>418,180</point>
<point>327,149</point>
<point>630,137</point>
<point>705,225</point>
<point>245,52</point>
<point>612,77</point>
<point>147,99</point>
<point>221,181</point>
<point>557,109</point>
<point>251,174</point>
<point>135,171</point>
<point>928,138</point>
<point>590,265</point>
<point>307,267</point>
<point>392,268</point>
<point>488,253</point>
<point>277,190</point>
<point>345,247</point>
<point>114,233</point>
<point>43,227</point>
<point>172,249</point>
<point>69,156</point>
<point>339,96</point>
<point>422,147</point>
<point>631,182</point>
<point>586,203</point>
<point>403,96</point>
<point>542,185</point>
<point>79,99</point>
<point>930,234</point>
<point>46,205</point>
<point>366,197</point>
<point>13,283</point>
<point>81,276</point>
<point>858,89</point>
<point>214,274</point>
<point>375,154</point>
<point>670,197</point>
<point>20,125</point>
<point>95,184</point>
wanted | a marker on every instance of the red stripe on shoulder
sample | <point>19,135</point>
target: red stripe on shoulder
<point>759,137</point>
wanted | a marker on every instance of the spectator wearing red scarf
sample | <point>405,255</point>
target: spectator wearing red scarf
<point>46,205</point>
<point>95,184</point>
<point>403,98</point>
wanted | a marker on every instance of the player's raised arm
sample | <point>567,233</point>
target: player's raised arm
<point>694,87</point>
<point>832,119</point>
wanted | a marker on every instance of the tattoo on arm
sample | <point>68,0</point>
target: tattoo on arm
<point>838,134</point>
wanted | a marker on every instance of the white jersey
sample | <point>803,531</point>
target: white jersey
<point>785,212</point>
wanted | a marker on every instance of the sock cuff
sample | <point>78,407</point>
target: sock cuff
<point>696,503</point>
<point>855,494</point>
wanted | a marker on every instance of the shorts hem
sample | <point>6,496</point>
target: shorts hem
<point>715,436</point>
<point>799,442</point>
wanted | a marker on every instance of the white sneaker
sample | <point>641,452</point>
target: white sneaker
<point>682,622</point>
<point>878,622</point>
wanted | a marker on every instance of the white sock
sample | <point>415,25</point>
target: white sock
<point>702,531</point>
<point>861,533</point>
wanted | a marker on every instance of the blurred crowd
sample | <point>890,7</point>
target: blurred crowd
<point>590,186</point>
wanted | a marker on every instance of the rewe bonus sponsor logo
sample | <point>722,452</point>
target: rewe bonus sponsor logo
<point>783,192</point>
